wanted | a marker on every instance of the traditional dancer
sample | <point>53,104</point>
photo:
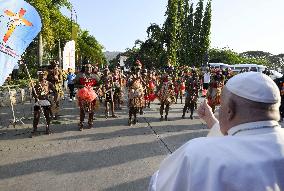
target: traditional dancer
<point>180,87</point>
<point>135,99</point>
<point>117,82</point>
<point>41,92</point>
<point>136,73</point>
<point>108,92</point>
<point>214,91</point>
<point>151,84</point>
<point>192,87</point>
<point>85,81</point>
<point>55,76</point>
<point>206,81</point>
<point>166,95</point>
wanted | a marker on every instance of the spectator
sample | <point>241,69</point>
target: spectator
<point>70,78</point>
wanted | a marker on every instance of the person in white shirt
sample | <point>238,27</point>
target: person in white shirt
<point>206,79</point>
<point>247,152</point>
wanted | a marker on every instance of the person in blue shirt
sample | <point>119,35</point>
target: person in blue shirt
<point>70,78</point>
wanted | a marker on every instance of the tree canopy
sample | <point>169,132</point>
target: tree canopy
<point>56,30</point>
<point>183,39</point>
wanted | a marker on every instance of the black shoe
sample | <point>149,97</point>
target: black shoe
<point>134,121</point>
<point>90,125</point>
<point>47,131</point>
<point>33,134</point>
<point>81,126</point>
<point>166,118</point>
<point>183,117</point>
<point>191,117</point>
<point>162,118</point>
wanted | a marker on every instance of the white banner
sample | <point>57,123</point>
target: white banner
<point>19,25</point>
<point>69,55</point>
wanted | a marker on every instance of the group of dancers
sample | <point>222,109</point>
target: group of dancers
<point>139,86</point>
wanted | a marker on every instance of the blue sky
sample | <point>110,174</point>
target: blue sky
<point>238,24</point>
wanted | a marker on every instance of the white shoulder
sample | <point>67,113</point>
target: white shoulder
<point>175,171</point>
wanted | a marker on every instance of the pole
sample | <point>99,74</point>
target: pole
<point>40,50</point>
<point>71,22</point>
<point>59,55</point>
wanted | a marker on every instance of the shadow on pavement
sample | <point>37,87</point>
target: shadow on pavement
<point>86,161</point>
<point>134,132</point>
<point>140,184</point>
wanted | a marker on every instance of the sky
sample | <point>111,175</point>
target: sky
<point>241,25</point>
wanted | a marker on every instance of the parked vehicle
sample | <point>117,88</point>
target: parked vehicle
<point>248,67</point>
<point>274,74</point>
<point>219,65</point>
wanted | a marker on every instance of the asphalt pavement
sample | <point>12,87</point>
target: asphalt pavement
<point>112,156</point>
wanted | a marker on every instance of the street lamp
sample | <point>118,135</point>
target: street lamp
<point>73,11</point>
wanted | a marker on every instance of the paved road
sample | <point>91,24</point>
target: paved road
<point>110,157</point>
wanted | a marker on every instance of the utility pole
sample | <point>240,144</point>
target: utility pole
<point>71,22</point>
<point>40,50</point>
<point>59,55</point>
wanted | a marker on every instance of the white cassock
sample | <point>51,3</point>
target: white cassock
<point>250,158</point>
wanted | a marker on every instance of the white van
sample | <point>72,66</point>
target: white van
<point>274,74</point>
<point>249,67</point>
<point>219,65</point>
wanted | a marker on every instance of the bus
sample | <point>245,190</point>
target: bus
<point>248,67</point>
<point>219,65</point>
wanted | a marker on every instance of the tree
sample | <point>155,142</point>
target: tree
<point>197,50</point>
<point>49,11</point>
<point>266,58</point>
<point>228,56</point>
<point>155,33</point>
<point>153,48</point>
<point>190,34</point>
<point>205,34</point>
<point>224,55</point>
<point>58,28</point>
<point>182,31</point>
<point>89,49</point>
<point>171,31</point>
<point>255,54</point>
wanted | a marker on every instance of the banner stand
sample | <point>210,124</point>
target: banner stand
<point>15,120</point>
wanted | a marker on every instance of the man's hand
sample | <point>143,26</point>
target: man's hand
<point>205,112</point>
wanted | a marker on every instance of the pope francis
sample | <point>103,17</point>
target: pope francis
<point>244,150</point>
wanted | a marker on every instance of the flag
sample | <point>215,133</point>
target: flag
<point>69,55</point>
<point>19,25</point>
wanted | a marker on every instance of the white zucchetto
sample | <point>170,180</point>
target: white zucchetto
<point>254,86</point>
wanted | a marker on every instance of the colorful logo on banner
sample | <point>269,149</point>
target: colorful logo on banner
<point>19,25</point>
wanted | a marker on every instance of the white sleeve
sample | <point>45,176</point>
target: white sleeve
<point>173,173</point>
<point>215,131</point>
<point>153,181</point>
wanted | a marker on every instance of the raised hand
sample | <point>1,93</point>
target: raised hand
<point>204,111</point>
